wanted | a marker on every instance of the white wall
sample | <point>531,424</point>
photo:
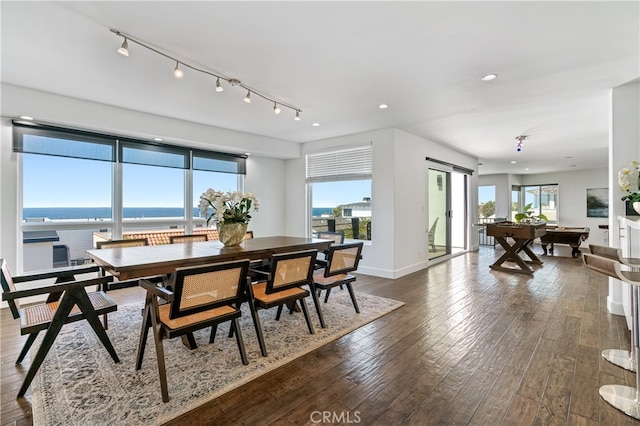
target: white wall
<point>266,178</point>
<point>399,197</point>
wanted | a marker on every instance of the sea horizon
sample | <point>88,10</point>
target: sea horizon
<point>94,213</point>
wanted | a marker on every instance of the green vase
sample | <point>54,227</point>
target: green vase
<point>232,234</point>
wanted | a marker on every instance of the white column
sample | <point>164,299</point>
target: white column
<point>624,146</point>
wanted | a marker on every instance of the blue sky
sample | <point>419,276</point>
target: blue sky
<point>486,193</point>
<point>69,182</point>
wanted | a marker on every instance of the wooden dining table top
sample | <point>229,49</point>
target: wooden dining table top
<point>136,262</point>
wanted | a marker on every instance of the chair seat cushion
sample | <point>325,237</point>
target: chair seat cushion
<point>42,314</point>
<point>189,320</point>
<point>259,293</point>
<point>319,278</point>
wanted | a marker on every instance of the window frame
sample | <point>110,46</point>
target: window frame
<point>117,224</point>
<point>338,164</point>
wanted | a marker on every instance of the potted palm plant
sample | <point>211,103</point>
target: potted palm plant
<point>529,215</point>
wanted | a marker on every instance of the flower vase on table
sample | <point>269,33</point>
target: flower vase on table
<point>230,210</point>
<point>232,234</point>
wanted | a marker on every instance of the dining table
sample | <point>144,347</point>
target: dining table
<point>144,261</point>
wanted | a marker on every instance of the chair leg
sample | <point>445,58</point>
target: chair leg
<point>243,352</point>
<point>326,295</point>
<point>214,329</point>
<point>353,297</point>
<point>258,327</point>
<point>279,312</point>
<point>157,337</point>
<point>303,305</point>
<point>144,331</point>
<point>315,296</point>
<point>27,346</point>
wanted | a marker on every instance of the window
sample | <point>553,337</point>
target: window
<point>543,199</point>
<point>486,201</point>
<point>78,186</point>
<point>339,184</point>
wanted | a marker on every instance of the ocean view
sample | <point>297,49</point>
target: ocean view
<point>92,213</point>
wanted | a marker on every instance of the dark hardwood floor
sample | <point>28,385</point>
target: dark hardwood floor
<point>471,346</point>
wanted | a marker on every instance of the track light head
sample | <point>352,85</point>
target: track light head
<point>218,86</point>
<point>297,117</point>
<point>177,71</point>
<point>124,49</point>
<point>276,108</point>
<point>247,98</point>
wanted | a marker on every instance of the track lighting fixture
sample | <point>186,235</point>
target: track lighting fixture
<point>177,71</point>
<point>124,50</point>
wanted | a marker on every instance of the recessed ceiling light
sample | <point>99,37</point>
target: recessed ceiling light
<point>157,139</point>
<point>26,117</point>
<point>315,124</point>
<point>527,168</point>
<point>383,106</point>
<point>489,77</point>
<point>514,162</point>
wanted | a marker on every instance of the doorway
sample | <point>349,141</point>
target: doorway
<point>447,212</point>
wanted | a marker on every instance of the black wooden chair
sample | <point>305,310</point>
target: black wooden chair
<point>283,285</point>
<point>67,301</point>
<point>201,297</point>
<point>336,237</point>
<point>193,238</point>
<point>116,284</point>
<point>341,260</point>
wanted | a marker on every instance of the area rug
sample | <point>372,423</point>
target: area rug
<point>79,384</point>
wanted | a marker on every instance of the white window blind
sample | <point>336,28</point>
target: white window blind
<point>342,164</point>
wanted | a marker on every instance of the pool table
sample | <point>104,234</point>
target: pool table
<point>572,236</point>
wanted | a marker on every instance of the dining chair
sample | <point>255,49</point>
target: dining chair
<point>341,260</point>
<point>116,284</point>
<point>200,297</point>
<point>67,301</point>
<point>282,285</point>
<point>248,235</point>
<point>336,237</point>
<point>176,239</point>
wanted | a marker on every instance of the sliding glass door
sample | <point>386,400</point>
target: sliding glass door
<point>447,214</point>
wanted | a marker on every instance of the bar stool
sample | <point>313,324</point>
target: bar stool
<point>624,398</point>
<point>620,357</point>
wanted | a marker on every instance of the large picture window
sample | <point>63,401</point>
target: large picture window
<point>339,184</point>
<point>79,187</point>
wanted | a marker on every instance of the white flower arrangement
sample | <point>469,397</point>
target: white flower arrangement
<point>227,207</point>
<point>628,180</point>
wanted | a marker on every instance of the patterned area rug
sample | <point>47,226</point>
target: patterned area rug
<point>79,384</point>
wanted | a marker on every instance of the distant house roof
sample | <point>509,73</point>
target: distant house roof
<point>163,237</point>
<point>359,205</point>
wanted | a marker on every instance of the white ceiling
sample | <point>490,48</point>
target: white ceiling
<point>336,61</point>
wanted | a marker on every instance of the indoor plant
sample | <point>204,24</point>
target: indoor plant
<point>629,181</point>
<point>230,210</point>
<point>529,216</point>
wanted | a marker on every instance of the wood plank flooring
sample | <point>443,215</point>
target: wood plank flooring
<point>471,346</point>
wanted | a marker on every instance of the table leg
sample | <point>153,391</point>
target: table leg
<point>511,253</point>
